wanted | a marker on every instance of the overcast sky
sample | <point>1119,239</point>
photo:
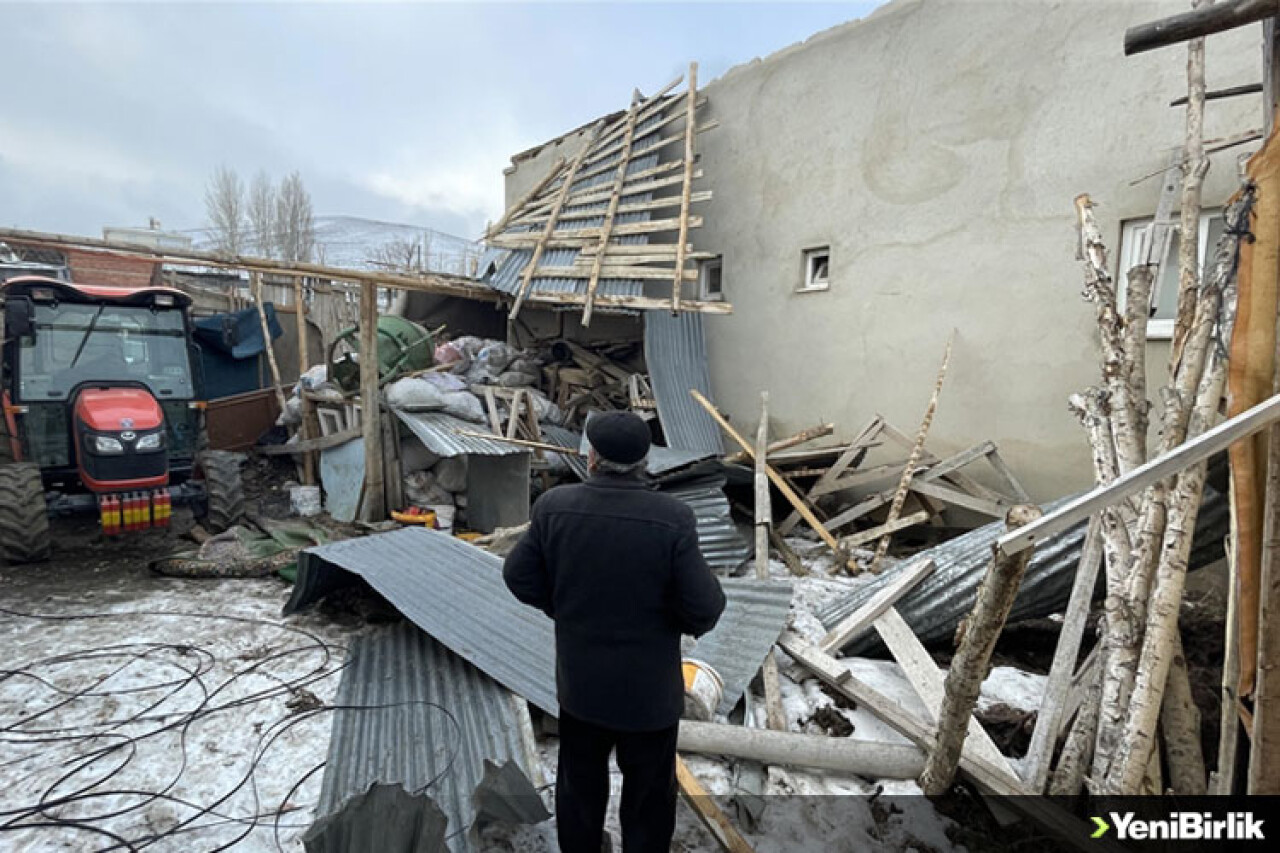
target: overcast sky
<point>113,113</point>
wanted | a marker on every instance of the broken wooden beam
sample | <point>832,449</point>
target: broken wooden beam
<point>715,820</point>
<point>790,441</point>
<point>778,480</point>
<point>865,616</point>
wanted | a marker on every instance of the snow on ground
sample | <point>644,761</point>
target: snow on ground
<point>178,718</point>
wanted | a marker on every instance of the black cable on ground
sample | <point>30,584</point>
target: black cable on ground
<point>194,675</point>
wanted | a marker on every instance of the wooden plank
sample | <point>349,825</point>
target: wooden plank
<point>864,536</point>
<point>850,627</point>
<point>615,271</point>
<point>869,504</point>
<point>311,444</point>
<point>373,501</point>
<point>777,720</point>
<point>1050,719</point>
<point>715,820</point>
<point>631,207</point>
<point>961,480</point>
<point>1218,94</point>
<point>603,151</point>
<point>782,484</point>
<point>1222,781</point>
<point>952,463</point>
<point>690,121</point>
<point>1196,450</point>
<point>927,680</point>
<point>304,430</point>
<point>857,478</point>
<point>648,107</point>
<point>606,229</point>
<point>644,180</point>
<point>846,458</point>
<point>547,230</point>
<point>580,237</point>
<point>959,498</point>
<point>1005,473</point>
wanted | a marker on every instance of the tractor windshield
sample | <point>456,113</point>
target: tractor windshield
<point>77,343</point>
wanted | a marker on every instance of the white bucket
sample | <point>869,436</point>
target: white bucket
<point>703,689</point>
<point>444,516</point>
<point>305,500</point>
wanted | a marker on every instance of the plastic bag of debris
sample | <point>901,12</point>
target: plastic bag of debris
<point>421,489</point>
<point>433,392</point>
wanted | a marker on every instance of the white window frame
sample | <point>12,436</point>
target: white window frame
<point>1134,237</point>
<point>704,279</point>
<point>810,283</point>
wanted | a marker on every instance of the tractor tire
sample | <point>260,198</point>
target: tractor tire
<point>223,489</point>
<point>24,521</point>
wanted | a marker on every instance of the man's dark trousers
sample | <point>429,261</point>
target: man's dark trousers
<point>648,764</point>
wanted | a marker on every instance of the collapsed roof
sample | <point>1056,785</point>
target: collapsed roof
<point>609,229</point>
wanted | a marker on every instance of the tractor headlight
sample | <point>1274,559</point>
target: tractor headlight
<point>150,441</point>
<point>105,444</point>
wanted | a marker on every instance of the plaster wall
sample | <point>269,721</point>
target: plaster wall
<point>936,147</point>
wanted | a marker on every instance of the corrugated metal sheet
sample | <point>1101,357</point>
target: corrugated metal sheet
<point>937,604</point>
<point>675,350</point>
<point>454,592</point>
<point>381,818</point>
<point>718,538</point>
<point>412,712</point>
<point>439,432</point>
<point>754,615</point>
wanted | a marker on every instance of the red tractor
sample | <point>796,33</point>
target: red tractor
<point>102,413</point>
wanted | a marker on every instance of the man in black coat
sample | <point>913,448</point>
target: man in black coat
<point>617,567</point>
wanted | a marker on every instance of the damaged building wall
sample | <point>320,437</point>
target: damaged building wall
<point>944,192</point>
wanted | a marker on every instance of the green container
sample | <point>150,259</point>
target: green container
<point>403,347</point>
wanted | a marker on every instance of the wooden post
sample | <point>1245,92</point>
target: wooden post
<point>266,339</point>
<point>778,480</point>
<point>777,719</point>
<point>900,496</point>
<point>373,507</point>
<point>869,758</point>
<point>981,629</point>
<point>682,241</point>
<point>299,304</point>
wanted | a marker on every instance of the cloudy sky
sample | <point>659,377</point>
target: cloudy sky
<point>405,112</point>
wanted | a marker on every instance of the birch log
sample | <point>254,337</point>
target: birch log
<point>970,664</point>
<point>1195,164</point>
<point>1180,725</point>
<point>1158,645</point>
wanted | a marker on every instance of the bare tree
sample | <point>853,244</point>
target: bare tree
<point>225,207</point>
<point>397,254</point>
<point>293,220</point>
<point>262,216</point>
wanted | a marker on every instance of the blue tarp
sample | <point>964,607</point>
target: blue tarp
<point>230,347</point>
<point>239,333</point>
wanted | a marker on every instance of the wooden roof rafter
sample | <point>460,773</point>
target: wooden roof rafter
<point>605,208</point>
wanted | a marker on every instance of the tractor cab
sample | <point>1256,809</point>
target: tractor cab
<point>100,398</point>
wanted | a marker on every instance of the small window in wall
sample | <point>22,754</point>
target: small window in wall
<point>1135,248</point>
<point>817,269</point>
<point>710,279</point>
